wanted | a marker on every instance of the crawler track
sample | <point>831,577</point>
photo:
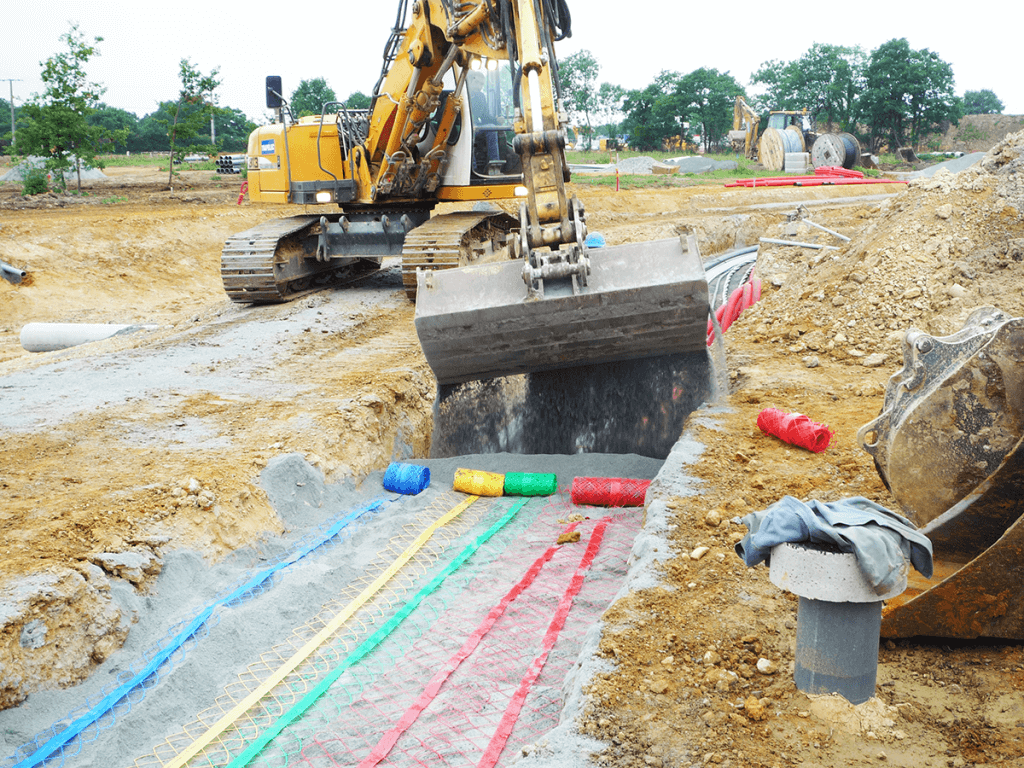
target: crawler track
<point>270,264</point>
<point>452,240</point>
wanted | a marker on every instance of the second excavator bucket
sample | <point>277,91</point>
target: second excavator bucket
<point>949,444</point>
<point>642,300</point>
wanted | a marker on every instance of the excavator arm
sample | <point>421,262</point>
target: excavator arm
<point>468,109</point>
<point>440,38</point>
<point>745,123</point>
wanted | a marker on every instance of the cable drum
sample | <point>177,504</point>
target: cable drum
<point>852,150</point>
<point>775,144</point>
<point>839,150</point>
<point>407,479</point>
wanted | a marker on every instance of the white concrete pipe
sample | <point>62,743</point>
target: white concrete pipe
<point>46,337</point>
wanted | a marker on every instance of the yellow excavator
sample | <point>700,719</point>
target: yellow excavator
<point>467,109</point>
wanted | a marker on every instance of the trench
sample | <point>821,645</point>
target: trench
<point>376,592</point>
<point>325,646</point>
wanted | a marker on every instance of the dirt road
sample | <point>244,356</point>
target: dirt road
<point>153,442</point>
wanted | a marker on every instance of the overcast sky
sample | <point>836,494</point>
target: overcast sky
<point>342,41</point>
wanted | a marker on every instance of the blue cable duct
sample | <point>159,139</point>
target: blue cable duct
<point>247,588</point>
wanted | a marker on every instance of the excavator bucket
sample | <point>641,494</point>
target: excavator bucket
<point>948,446</point>
<point>616,368</point>
<point>642,300</point>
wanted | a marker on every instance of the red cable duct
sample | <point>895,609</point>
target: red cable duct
<point>745,296</point>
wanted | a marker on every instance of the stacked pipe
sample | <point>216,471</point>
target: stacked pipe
<point>230,163</point>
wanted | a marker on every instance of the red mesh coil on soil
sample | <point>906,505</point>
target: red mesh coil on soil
<point>795,429</point>
<point>609,491</point>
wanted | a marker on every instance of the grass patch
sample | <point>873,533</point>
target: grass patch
<point>158,159</point>
<point>745,169</point>
<point>114,199</point>
<point>125,161</point>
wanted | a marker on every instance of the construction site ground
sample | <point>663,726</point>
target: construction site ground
<point>157,447</point>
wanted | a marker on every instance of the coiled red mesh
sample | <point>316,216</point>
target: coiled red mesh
<point>609,491</point>
<point>795,429</point>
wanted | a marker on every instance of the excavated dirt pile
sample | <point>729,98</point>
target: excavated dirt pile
<point>699,671</point>
<point>952,242</point>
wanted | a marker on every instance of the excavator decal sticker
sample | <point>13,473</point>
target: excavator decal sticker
<point>267,147</point>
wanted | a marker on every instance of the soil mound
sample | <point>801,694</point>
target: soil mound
<point>945,246</point>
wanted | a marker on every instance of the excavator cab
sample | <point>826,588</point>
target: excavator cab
<point>490,100</point>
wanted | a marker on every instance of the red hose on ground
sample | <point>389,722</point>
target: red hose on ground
<point>241,192</point>
<point>795,429</point>
<point>745,296</point>
<point>835,170</point>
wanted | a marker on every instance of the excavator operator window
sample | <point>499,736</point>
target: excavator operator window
<point>490,101</point>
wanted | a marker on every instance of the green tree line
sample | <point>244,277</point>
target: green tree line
<point>149,132</point>
<point>69,120</point>
<point>894,95</point>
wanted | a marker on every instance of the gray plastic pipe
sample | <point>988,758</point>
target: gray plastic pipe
<point>46,337</point>
<point>11,274</point>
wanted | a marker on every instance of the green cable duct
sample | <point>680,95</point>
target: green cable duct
<point>299,709</point>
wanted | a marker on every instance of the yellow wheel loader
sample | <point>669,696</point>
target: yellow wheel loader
<point>467,109</point>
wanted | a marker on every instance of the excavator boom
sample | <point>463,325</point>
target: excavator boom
<point>468,108</point>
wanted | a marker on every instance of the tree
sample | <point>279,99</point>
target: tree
<point>609,105</point>
<point>577,74</point>
<point>775,76</point>
<point>150,135</point>
<point>638,106</point>
<point>828,79</point>
<point>907,93</point>
<point>654,113</point>
<point>58,125</point>
<point>358,100</point>
<point>119,123</point>
<point>5,124</point>
<point>706,96</point>
<point>311,95</point>
<point>982,103</point>
<point>825,81</point>
<point>192,113</point>
<point>233,129</point>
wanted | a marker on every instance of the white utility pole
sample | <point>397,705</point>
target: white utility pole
<point>10,82</point>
